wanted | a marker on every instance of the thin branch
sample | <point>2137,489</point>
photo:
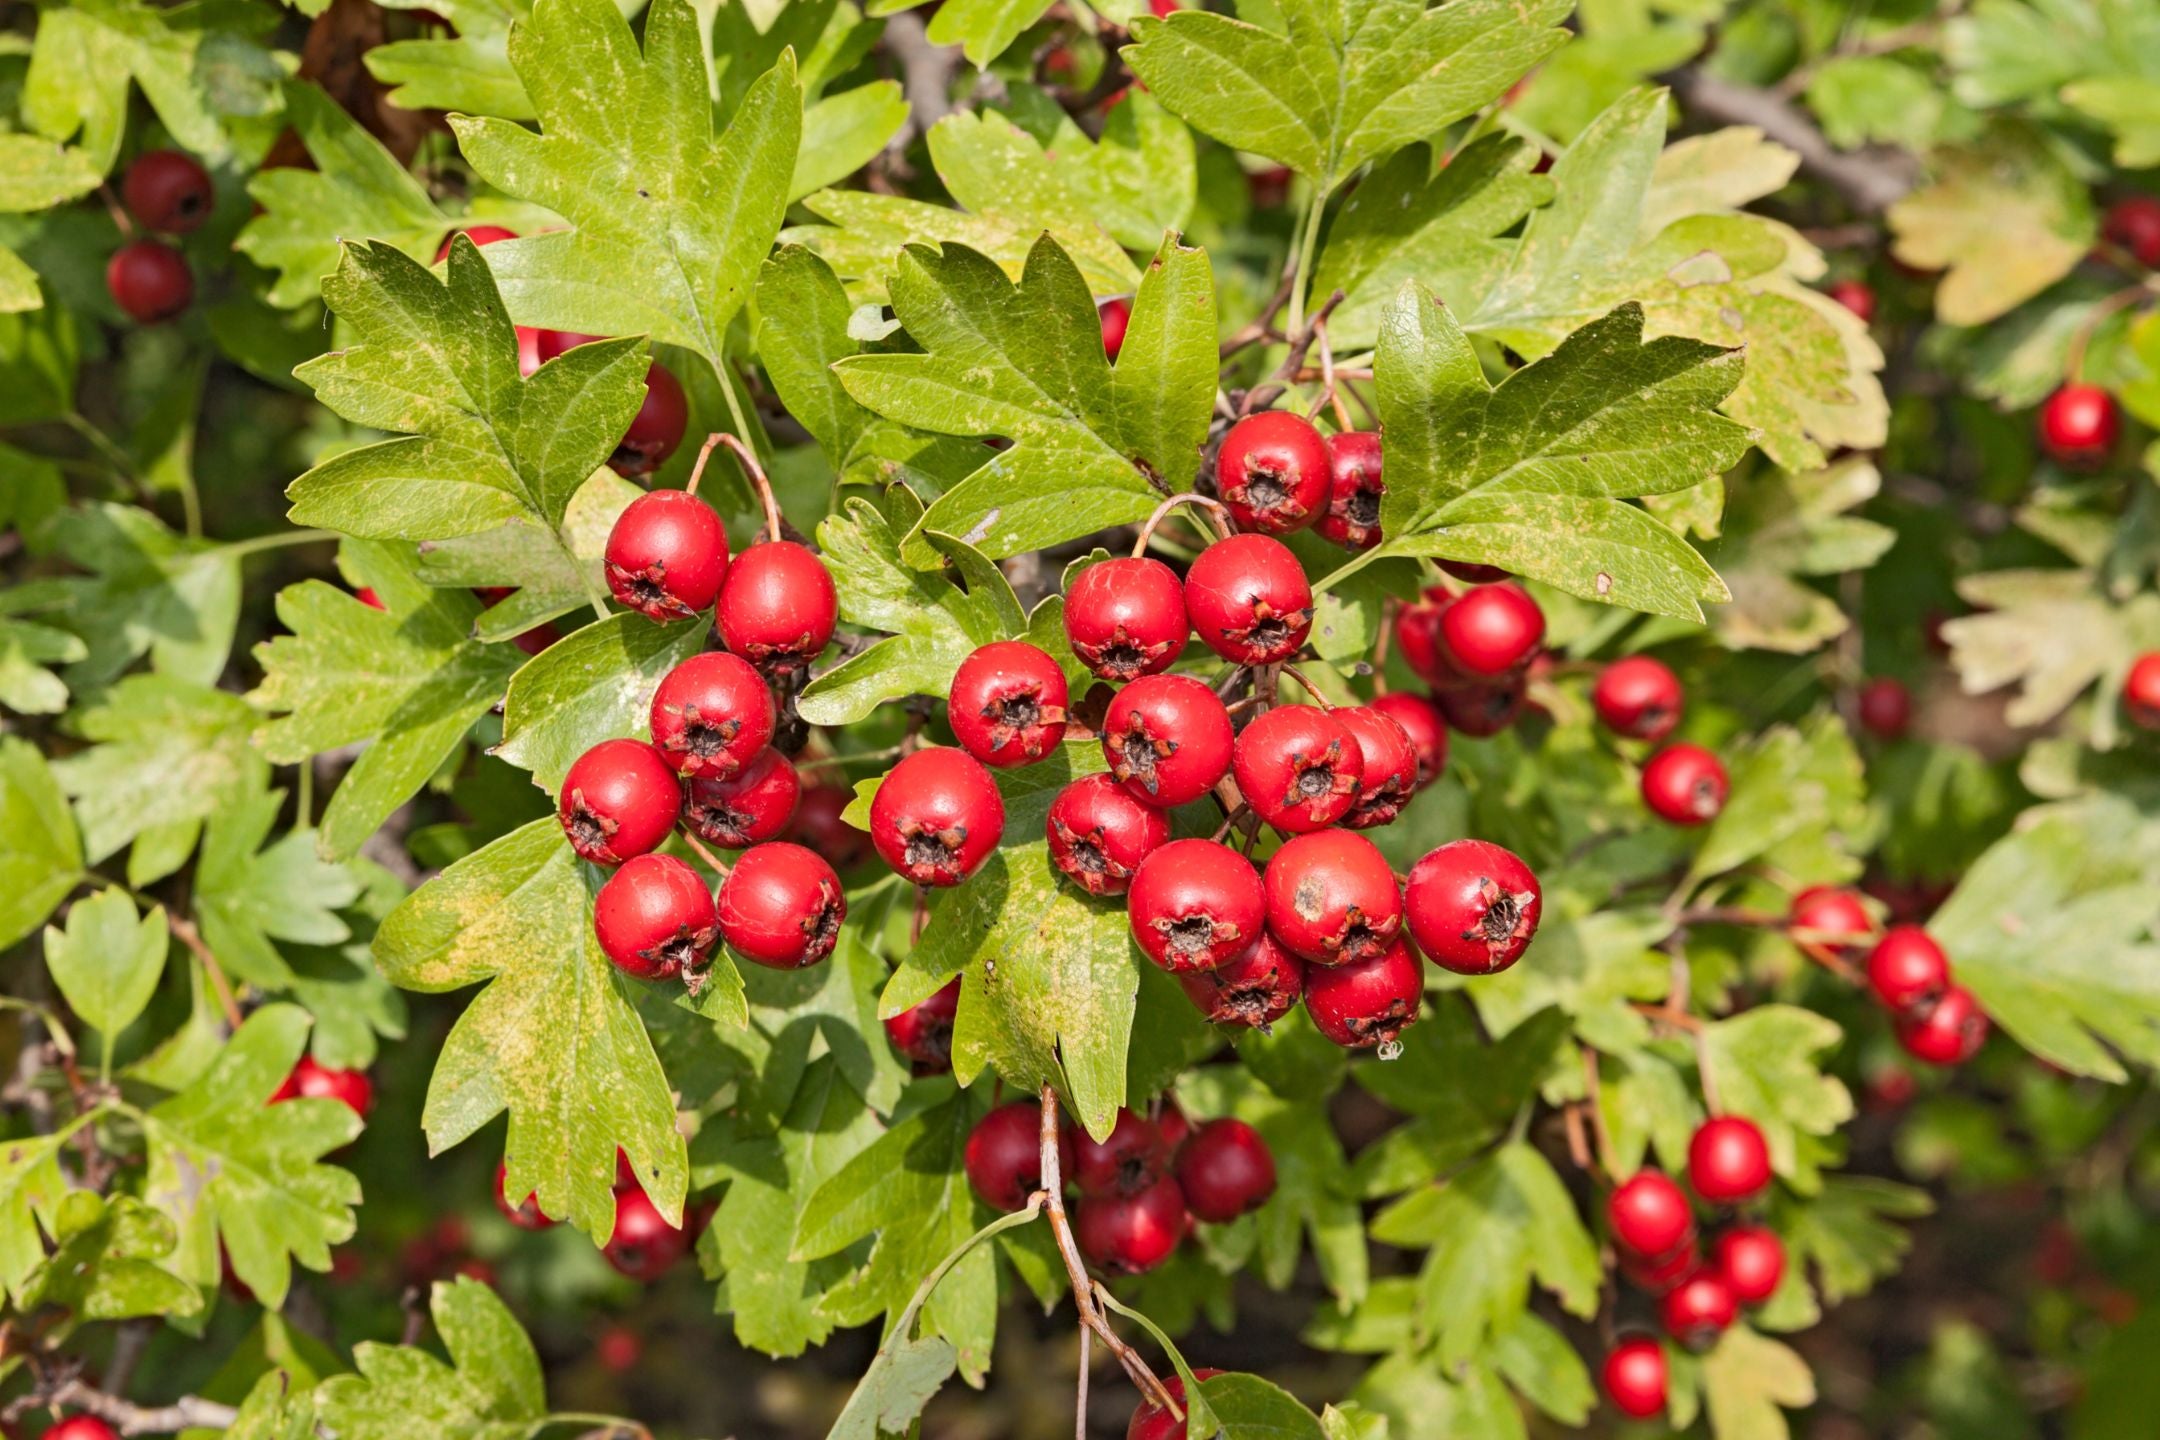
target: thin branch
<point>185,932</point>
<point>1871,180</point>
<point>926,76</point>
<point>190,1412</point>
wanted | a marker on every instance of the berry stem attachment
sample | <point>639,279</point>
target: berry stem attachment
<point>1307,686</point>
<point>747,458</point>
<point>1215,508</point>
<point>185,932</point>
<point>697,471</point>
<point>712,861</point>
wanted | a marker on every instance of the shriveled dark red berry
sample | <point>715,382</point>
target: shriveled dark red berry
<point>312,1080</point>
<point>1116,317</point>
<point>1490,630</point>
<point>1248,598</point>
<point>1855,295</point>
<point>2141,691</point>
<point>1273,472</point>
<point>1225,1170</point>
<point>1639,697</point>
<point>1254,990</point>
<point>1728,1160</point>
<point>2079,425</point>
<point>1752,1260</point>
<point>620,799</point>
<point>1417,635</point>
<point>1299,768</point>
<point>1125,1162</point>
<point>1422,721</point>
<point>149,281</point>
<point>777,607</point>
<point>1195,905</point>
<point>2133,222</point>
<point>1390,775</point>
<point>1099,834</point>
<point>1366,1002</point>
<point>1699,1309</point>
<point>1352,519</point>
<point>1949,1032</point>
<point>1649,1216</point>
<point>1831,918</point>
<point>1635,1379</point>
<point>1153,1421</point>
<point>923,1032</point>
<point>666,555</point>
<point>1126,618</point>
<point>1473,906</point>
<point>1907,970</point>
<point>1480,709</point>
<point>711,714</point>
<point>1332,898</point>
<point>1003,1156</point>
<point>1885,707</point>
<point>655,919</point>
<point>937,816</point>
<point>1132,1234</point>
<point>643,1245</point>
<point>526,1214</point>
<point>818,825</point>
<point>781,906</point>
<point>168,190</point>
<point>1685,784</point>
<point>755,804</point>
<point>1007,703</point>
<point>1168,739</point>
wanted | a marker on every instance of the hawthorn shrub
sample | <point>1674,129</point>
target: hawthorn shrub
<point>1444,705</point>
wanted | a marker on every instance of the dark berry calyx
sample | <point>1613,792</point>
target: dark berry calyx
<point>1315,779</point>
<point>646,591</point>
<point>1192,937</point>
<point>590,831</point>
<point>1363,936</point>
<point>931,854</point>
<point>1135,754</point>
<point>707,739</point>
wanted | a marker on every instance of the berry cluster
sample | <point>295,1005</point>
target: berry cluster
<point>1937,1021</point>
<point>169,192</point>
<point>1640,698</point>
<point>642,1245</point>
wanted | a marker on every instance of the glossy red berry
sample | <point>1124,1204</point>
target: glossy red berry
<point>1168,739</point>
<point>923,1032</point>
<point>1299,768</point>
<point>666,555</point>
<point>655,919</point>
<point>1949,1032</point>
<point>1649,1216</point>
<point>1685,784</point>
<point>1226,1169</point>
<point>1390,773</point>
<point>2079,424</point>
<point>1473,907</point>
<point>754,805</point>
<point>1249,599</point>
<point>777,606</point>
<point>2133,222</point>
<point>1490,630</point>
<point>1152,1421</point>
<point>310,1080</point>
<point>643,1245</point>
<point>1254,990</point>
<point>1699,1309</point>
<point>1638,697</point>
<point>1273,472</point>
<point>1635,1378</point>
<point>1481,709</point>
<point>1422,721</point>
<point>167,190</point>
<point>711,714</point>
<point>1752,1260</point>
<point>81,1427</point>
<point>1367,1002</point>
<point>1007,703</point>
<point>1125,1162</point>
<point>1099,834</point>
<point>1417,634</point>
<point>2141,691</point>
<point>1195,905</point>
<point>480,235</point>
<point>149,281</point>
<point>1831,918</point>
<point>1126,618</point>
<point>526,1214</point>
<point>621,798</point>
<point>1855,295</point>
<point>781,906</point>
<point>1352,519</point>
<point>1728,1160</point>
<point>1332,898</point>
<point>1132,1234</point>
<point>937,816</point>
<point>1907,970</point>
<point>657,428</point>
<point>1003,1157</point>
<point>818,825</point>
<point>1885,707</point>
<point>1656,1275</point>
<point>1116,317</point>
<point>1176,1128</point>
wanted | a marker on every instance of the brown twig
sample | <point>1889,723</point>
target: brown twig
<point>713,862</point>
<point>1871,180</point>
<point>190,1412</point>
<point>747,458</point>
<point>185,932</point>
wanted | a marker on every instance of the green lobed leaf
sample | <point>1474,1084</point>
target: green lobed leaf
<point>87,58</point>
<point>490,1389</point>
<point>40,850</point>
<point>248,896</point>
<point>104,1263</point>
<point>166,753</point>
<point>1136,180</point>
<point>108,960</point>
<point>595,685</point>
<point>1749,1381</point>
<point>1781,530</point>
<point>32,1187</point>
<point>148,592</point>
<point>1766,1064</point>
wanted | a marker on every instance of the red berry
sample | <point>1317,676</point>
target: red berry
<point>1830,918</point>
<point>312,1081</point>
<point>819,826</point>
<point>1655,1276</point>
<point>1481,709</point>
<point>149,281</point>
<point>2133,222</point>
<point>1473,906</point>
<point>1152,1421</point>
<point>923,1032</point>
<point>1116,317</point>
<point>366,596</point>
<point>82,1427</point>
<point>483,236</point>
<point>1254,990</point>
<point>1728,1161</point>
<point>1168,739</point>
<point>1273,472</point>
<point>643,1245</point>
<point>1422,721</point>
<point>1390,775</point>
<point>1195,905</point>
<point>1126,618</point>
<point>618,1349</point>
<point>1249,599</point>
<point>1130,1159</point>
<point>781,906</point>
<point>1099,834</point>
<point>666,555</point>
<point>1685,784</point>
<point>1417,634</point>
<point>1752,1260</point>
<point>1163,9</point>
<point>711,714</point>
<point>1698,1309</point>
<point>620,799</point>
<point>526,1214</point>
<point>1635,1379</point>
<point>2141,691</point>
<point>657,428</point>
<point>1649,1216</point>
<point>747,808</point>
<point>1225,1170</point>
<point>1491,629</point>
<point>1907,970</point>
<point>1857,296</point>
<point>1003,1157</point>
<point>655,918</point>
<point>1132,1234</point>
<point>777,606</point>
<point>167,190</point>
<point>1469,571</point>
<point>1007,703</point>
<point>1176,1129</point>
<point>1299,768</point>
<point>1885,707</point>
<point>1949,1032</point>
<point>1332,897</point>
<point>1367,1002</point>
<point>1638,697</point>
<point>2079,424</point>
<point>1354,490</point>
<point>937,816</point>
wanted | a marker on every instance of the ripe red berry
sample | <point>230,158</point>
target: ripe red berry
<point>1685,784</point>
<point>1132,1234</point>
<point>1422,721</point>
<point>480,235</point>
<point>1354,490</point>
<point>1273,472</point>
<point>1163,9</point>
<point>1635,1378</point>
<point>2141,691</point>
<point>167,190</point>
<point>1480,709</point>
<point>1367,1002</point>
<point>1885,707</point>
<point>2133,222</point>
<point>620,799</point>
<point>1152,1421</point>
<point>1855,295</point>
<point>747,808</point>
<point>1831,918</point>
<point>1226,1169</point>
<point>2079,424</point>
<point>81,1427</point>
<point>526,1214</point>
<point>1649,1216</point>
<point>1949,1032</point>
<point>923,1032</point>
<point>618,1348</point>
<point>1699,1309</point>
<point>1126,618</point>
<point>666,555</point>
<point>1249,599</point>
<point>1907,970</point>
<point>1099,834</point>
<point>937,816</point>
<point>643,1245</point>
<point>1332,897</point>
<point>1125,1162</point>
<point>1176,1128</point>
<point>1390,774</point>
<point>149,281</point>
<point>1007,703</point>
<point>1473,906</point>
<point>1490,630</point>
<point>711,714</point>
<point>1417,634</point>
<point>1638,697</point>
<point>1728,1160</point>
<point>1003,1157</point>
<point>777,606</point>
<point>818,825</point>
<point>655,918</point>
<point>312,1081</point>
<point>1168,739</point>
<point>1195,905</point>
<point>1655,1276</point>
<point>1254,990</point>
<point>657,428</point>
<point>1116,317</point>
<point>1299,768</point>
<point>781,906</point>
<point>1752,1260</point>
